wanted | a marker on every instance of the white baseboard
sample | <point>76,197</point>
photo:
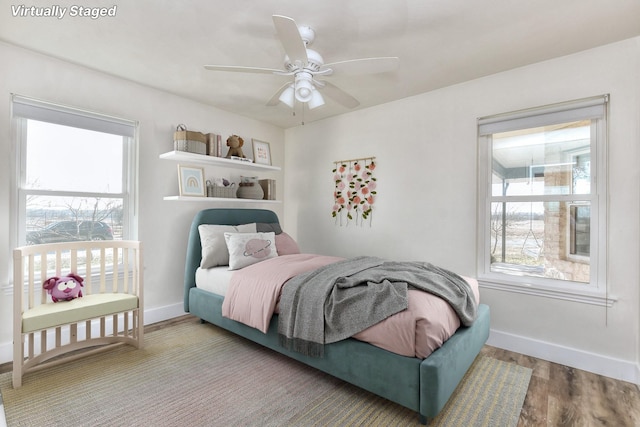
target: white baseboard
<point>586,361</point>
<point>159,314</point>
<point>151,316</point>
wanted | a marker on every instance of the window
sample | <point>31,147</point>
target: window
<point>542,201</point>
<point>75,174</point>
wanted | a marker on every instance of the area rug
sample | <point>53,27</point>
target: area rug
<point>199,375</point>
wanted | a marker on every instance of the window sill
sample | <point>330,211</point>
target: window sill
<point>582,296</point>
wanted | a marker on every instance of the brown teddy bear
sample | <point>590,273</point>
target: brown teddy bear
<point>235,143</point>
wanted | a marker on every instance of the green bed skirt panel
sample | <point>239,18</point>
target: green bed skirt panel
<point>441,372</point>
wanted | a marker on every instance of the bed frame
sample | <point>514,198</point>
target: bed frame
<point>421,385</point>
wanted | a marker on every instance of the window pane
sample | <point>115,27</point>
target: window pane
<point>62,158</point>
<point>580,229</point>
<point>541,239</point>
<point>60,219</point>
<point>542,161</point>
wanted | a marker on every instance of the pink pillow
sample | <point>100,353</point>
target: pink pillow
<point>285,245</point>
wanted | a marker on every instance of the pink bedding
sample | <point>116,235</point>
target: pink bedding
<point>254,291</point>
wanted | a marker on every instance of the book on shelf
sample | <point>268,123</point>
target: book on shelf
<point>269,188</point>
<point>212,142</point>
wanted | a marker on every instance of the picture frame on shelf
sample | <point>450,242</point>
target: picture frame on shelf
<point>261,152</point>
<point>191,181</point>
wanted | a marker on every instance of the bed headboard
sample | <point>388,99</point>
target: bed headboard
<point>221,216</point>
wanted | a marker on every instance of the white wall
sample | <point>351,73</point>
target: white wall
<point>426,152</point>
<point>163,225</point>
<point>426,209</point>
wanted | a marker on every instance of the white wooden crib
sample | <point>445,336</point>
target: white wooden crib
<point>109,313</point>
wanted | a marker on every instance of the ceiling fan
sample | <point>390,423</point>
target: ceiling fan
<point>307,66</point>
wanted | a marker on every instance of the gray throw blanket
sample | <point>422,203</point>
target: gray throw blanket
<point>339,300</point>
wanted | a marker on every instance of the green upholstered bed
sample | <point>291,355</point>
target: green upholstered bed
<point>423,385</point>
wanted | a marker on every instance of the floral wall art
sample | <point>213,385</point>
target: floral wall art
<point>355,190</point>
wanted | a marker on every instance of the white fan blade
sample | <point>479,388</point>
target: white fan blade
<point>338,95</point>
<point>275,99</point>
<point>290,38</point>
<point>240,69</point>
<point>365,65</point>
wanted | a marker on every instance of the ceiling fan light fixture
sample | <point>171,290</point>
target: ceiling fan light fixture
<point>287,96</point>
<point>303,87</point>
<point>316,99</point>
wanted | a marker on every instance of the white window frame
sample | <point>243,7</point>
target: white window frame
<point>594,292</point>
<point>24,108</point>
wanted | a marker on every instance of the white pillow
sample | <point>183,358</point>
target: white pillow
<point>249,248</point>
<point>214,247</point>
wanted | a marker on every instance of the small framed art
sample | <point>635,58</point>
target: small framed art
<point>261,152</point>
<point>191,181</point>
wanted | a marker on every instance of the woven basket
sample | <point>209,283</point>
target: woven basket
<point>186,140</point>
<point>228,192</point>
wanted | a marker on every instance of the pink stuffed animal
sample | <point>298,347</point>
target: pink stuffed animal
<point>64,288</point>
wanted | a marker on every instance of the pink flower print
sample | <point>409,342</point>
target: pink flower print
<point>354,191</point>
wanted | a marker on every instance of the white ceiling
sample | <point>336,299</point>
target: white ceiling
<point>165,43</point>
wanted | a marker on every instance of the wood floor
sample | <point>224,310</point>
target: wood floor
<point>562,396</point>
<point>558,395</point>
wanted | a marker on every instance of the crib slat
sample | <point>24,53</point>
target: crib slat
<point>88,289</point>
<point>102,271</point>
<point>73,333</point>
<point>58,263</point>
<point>87,330</point>
<point>58,337</point>
<point>116,326</point>
<point>43,341</point>
<point>103,327</point>
<point>116,259</point>
<point>31,345</point>
<point>125,269</point>
<point>74,260</point>
<point>126,324</point>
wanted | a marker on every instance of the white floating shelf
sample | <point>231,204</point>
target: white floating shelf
<point>217,199</point>
<point>201,159</point>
